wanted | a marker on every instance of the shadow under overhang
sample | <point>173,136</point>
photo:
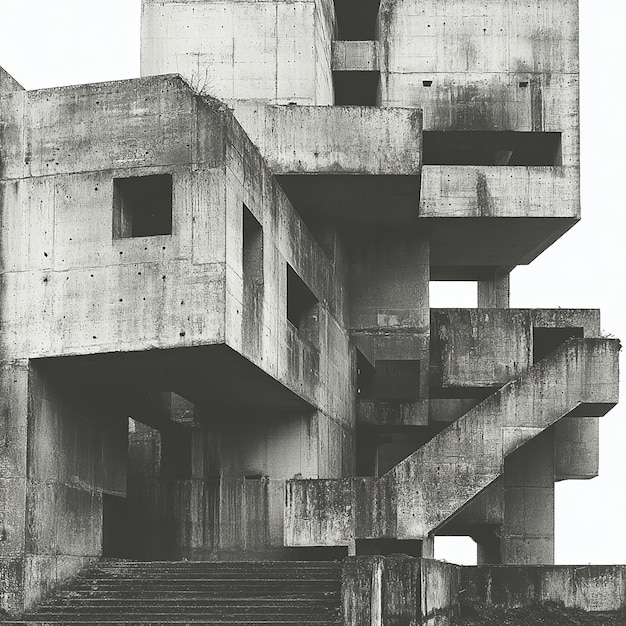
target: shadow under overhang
<point>215,377</point>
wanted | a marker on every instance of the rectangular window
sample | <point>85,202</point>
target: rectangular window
<point>491,148</point>
<point>356,19</point>
<point>302,307</point>
<point>142,206</point>
<point>391,380</point>
<point>252,248</point>
<point>547,340</point>
<point>252,267</point>
<point>356,88</point>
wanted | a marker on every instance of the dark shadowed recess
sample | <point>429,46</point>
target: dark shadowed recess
<point>491,148</point>
<point>356,19</point>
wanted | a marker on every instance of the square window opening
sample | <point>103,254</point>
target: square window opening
<point>142,206</point>
<point>356,88</point>
<point>391,381</point>
<point>356,19</point>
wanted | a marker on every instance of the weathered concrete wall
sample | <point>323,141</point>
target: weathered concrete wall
<point>497,427</point>
<point>506,65</point>
<point>450,191</point>
<point>390,319</point>
<point>527,532</point>
<point>13,482</point>
<point>8,83</point>
<point>334,140</point>
<point>70,443</point>
<point>588,587</point>
<point>486,348</point>
<point>285,55</point>
<point>417,496</point>
<point>87,292</point>
<point>398,589</point>
<point>489,347</point>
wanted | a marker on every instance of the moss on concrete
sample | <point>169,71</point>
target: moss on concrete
<point>475,613</point>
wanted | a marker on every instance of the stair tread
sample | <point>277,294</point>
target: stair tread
<point>281,593</point>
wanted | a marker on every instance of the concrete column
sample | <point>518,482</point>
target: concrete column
<point>495,293</point>
<point>487,548</point>
<point>13,483</point>
<point>528,528</point>
<point>428,548</point>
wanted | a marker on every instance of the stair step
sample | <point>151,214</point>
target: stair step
<point>195,592</point>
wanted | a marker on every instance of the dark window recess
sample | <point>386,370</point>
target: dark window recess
<point>547,340</point>
<point>252,281</point>
<point>391,380</point>
<point>356,19</point>
<point>114,526</point>
<point>491,148</point>
<point>384,547</point>
<point>176,453</point>
<point>252,248</point>
<point>302,306</point>
<point>356,88</point>
<point>142,206</point>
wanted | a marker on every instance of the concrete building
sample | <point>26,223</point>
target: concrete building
<point>216,337</point>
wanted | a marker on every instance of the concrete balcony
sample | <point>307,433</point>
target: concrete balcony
<point>334,140</point>
<point>496,215</point>
<point>349,163</point>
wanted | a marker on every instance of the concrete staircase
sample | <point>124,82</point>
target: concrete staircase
<point>284,593</point>
<point>434,483</point>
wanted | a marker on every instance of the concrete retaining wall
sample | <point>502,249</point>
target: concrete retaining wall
<point>398,589</point>
<point>587,587</point>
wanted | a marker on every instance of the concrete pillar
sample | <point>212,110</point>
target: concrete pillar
<point>528,528</point>
<point>13,483</point>
<point>495,293</point>
<point>487,547</point>
<point>428,548</point>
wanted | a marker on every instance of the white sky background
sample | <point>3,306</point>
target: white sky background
<point>48,43</point>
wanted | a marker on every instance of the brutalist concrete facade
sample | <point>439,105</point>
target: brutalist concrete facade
<point>235,251</point>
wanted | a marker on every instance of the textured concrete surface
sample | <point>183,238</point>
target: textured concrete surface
<point>403,590</point>
<point>417,496</point>
<point>308,176</point>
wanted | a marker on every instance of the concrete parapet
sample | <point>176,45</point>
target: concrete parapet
<point>399,589</point>
<point>334,140</point>
<point>587,587</point>
<point>462,191</point>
